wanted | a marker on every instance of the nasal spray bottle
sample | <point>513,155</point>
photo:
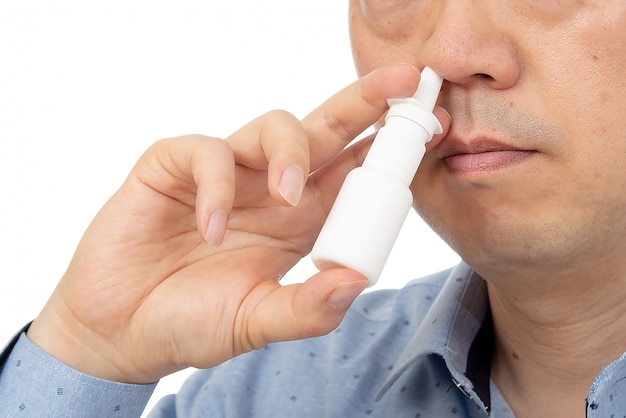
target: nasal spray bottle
<point>375,198</point>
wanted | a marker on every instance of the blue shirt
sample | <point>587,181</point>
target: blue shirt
<point>423,351</point>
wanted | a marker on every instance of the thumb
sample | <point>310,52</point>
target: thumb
<point>309,309</point>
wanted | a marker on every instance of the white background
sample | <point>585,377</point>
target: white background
<point>85,88</point>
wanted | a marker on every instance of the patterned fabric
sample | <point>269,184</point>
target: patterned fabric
<point>423,351</point>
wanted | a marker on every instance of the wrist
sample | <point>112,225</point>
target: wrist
<point>75,345</point>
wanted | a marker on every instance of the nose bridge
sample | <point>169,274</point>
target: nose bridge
<point>464,43</point>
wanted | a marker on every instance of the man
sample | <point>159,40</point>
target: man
<point>526,184</point>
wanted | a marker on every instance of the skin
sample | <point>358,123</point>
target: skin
<point>186,255</point>
<point>544,226</point>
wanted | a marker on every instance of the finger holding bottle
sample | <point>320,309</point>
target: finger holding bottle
<point>180,266</point>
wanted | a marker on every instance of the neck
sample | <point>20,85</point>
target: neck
<point>552,337</point>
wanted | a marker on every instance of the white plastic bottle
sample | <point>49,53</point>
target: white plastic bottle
<point>375,198</point>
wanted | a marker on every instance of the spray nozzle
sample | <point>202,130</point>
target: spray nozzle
<point>375,198</point>
<point>428,89</point>
<point>419,107</point>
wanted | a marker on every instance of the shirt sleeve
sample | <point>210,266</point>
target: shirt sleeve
<point>34,384</point>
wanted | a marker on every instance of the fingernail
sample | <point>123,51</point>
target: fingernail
<point>216,227</point>
<point>345,293</point>
<point>291,184</point>
<point>411,66</point>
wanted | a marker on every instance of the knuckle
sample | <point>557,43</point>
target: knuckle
<point>278,120</point>
<point>339,129</point>
<point>199,137</point>
<point>279,115</point>
<point>312,329</point>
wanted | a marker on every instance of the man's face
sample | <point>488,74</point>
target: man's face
<point>533,171</point>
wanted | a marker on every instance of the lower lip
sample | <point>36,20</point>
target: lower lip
<point>485,162</point>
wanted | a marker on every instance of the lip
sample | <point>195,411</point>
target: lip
<point>480,156</point>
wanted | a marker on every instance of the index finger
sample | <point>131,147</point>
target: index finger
<point>355,108</point>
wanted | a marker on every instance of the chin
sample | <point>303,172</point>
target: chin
<point>504,244</point>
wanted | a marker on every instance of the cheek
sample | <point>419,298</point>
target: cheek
<point>574,79</point>
<point>368,51</point>
<point>595,115</point>
<point>385,32</point>
<point>391,19</point>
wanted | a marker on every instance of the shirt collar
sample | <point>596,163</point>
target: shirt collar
<point>449,330</point>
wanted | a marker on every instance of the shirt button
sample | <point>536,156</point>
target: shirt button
<point>461,388</point>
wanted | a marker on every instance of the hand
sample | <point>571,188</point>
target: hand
<point>181,267</point>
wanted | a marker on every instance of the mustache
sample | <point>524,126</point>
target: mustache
<point>480,113</point>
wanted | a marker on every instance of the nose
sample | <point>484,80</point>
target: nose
<point>466,44</point>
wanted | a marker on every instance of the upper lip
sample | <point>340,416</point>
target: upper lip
<point>451,146</point>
